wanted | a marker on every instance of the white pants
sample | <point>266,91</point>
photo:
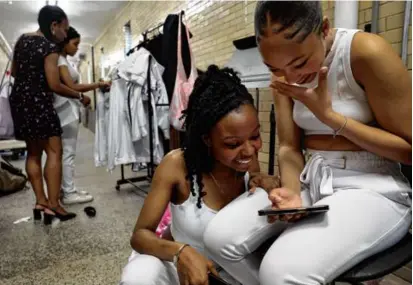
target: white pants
<point>145,269</point>
<point>69,141</point>
<point>361,222</point>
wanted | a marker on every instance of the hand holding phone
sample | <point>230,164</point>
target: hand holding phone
<point>283,198</point>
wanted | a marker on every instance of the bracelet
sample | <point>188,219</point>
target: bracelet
<point>337,132</point>
<point>176,256</point>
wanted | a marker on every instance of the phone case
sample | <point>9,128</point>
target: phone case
<point>303,210</point>
<point>214,280</point>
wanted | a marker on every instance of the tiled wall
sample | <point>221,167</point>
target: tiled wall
<point>215,25</point>
<point>391,18</point>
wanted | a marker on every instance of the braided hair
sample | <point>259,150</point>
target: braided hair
<point>303,17</point>
<point>216,93</point>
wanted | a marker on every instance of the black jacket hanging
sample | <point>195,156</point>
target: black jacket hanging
<point>170,50</point>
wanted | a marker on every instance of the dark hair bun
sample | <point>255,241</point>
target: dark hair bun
<point>47,15</point>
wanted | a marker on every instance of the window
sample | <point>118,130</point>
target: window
<point>127,35</point>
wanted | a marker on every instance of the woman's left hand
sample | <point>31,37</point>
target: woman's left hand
<point>317,100</point>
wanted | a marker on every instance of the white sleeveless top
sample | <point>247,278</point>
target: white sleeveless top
<point>189,222</point>
<point>348,98</point>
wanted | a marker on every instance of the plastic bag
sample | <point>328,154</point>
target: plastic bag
<point>6,120</point>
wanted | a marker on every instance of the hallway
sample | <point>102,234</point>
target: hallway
<point>81,251</point>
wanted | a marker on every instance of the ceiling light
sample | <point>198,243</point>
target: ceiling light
<point>10,2</point>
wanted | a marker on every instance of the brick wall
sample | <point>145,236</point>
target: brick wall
<point>391,18</point>
<point>215,25</point>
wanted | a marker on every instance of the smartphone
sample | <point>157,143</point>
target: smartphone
<point>214,280</point>
<point>302,210</point>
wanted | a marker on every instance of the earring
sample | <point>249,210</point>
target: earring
<point>53,32</point>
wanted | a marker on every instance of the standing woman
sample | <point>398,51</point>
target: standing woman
<point>68,110</point>
<point>35,120</point>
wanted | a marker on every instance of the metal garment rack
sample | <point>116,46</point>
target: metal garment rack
<point>151,164</point>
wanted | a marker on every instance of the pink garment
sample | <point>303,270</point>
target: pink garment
<point>183,85</point>
<point>164,223</point>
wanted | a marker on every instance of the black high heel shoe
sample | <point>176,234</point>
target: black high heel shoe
<point>37,212</point>
<point>48,218</point>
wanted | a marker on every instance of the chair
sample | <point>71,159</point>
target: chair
<point>380,264</point>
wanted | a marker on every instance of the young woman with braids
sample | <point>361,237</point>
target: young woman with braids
<point>211,170</point>
<point>345,97</point>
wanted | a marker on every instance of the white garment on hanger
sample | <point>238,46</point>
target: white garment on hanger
<point>122,126</point>
<point>101,128</point>
<point>120,145</point>
<point>135,70</point>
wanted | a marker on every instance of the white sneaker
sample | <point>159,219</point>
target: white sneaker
<point>75,198</point>
<point>82,192</point>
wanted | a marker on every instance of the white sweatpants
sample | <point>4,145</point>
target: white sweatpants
<point>364,218</point>
<point>145,269</point>
<point>69,141</point>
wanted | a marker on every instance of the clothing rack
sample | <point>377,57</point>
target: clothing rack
<point>151,164</point>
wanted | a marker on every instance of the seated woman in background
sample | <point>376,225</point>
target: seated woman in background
<point>211,170</point>
<point>68,111</point>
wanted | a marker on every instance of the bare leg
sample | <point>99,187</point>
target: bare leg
<point>34,170</point>
<point>53,172</point>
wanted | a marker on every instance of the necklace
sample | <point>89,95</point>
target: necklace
<point>218,185</point>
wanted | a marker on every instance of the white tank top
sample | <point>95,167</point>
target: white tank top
<point>348,98</point>
<point>189,222</point>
